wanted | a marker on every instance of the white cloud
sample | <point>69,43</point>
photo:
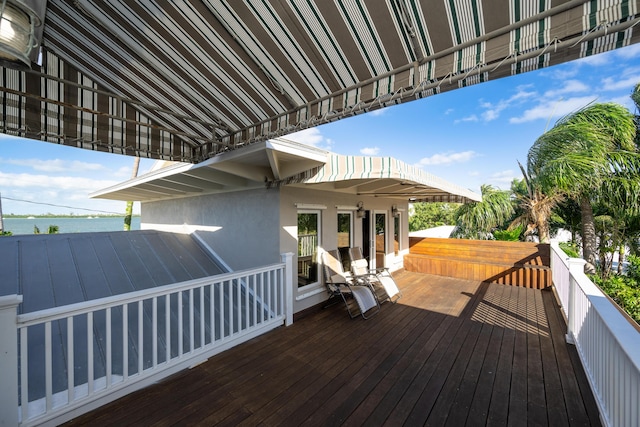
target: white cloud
<point>624,100</point>
<point>490,115</point>
<point>596,60</point>
<point>549,109</point>
<point>504,178</point>
<point>471,118</point>
<point>311,136</point>
<point>629,52</point>
<point>561,73</point>
<point>609,83</point>
<point>493,110</point>
<point>570,86</point>
<point>57,165</point>
<point>378,112</point>
<point>448,111</point>
<point>370,151</point>
<point>48,193</point>
<point>448,158</point>
<point>54,183</point>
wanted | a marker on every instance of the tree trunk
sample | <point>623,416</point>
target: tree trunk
<point>621,256</point>
<point>543,230</point>
<point>129,208</point>
<point>588,231</point>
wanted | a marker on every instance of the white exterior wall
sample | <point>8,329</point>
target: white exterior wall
<point>252,228</point>
<point>241,227</point>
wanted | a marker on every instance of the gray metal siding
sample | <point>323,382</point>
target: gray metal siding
<point>55,270</point>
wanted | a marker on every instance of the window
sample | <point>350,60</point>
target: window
<point>381,238</point>
<point>345,227</point>
<point>396,234</point>
<point>308,242</point>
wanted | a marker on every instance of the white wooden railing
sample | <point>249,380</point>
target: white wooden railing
<point>608,345</point>
<point>307,244</point>
<point>68,360</point>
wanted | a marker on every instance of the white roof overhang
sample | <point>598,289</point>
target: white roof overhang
<point>248,167</point>
<point>281,162</point>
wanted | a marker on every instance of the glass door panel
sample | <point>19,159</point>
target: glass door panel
<point>308,242</point>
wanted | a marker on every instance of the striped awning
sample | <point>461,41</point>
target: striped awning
<point>187,79</point>
<point>380,177</point>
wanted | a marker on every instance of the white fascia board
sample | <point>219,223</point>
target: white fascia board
<point>147,177</point>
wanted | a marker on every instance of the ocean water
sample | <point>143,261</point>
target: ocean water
<point>79,224</point>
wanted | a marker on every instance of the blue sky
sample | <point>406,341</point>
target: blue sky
<point>470,136</point>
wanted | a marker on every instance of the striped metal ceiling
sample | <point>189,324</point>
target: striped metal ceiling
<point>187,79</point>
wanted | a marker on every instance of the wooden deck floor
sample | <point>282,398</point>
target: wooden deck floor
<point>450,352</point>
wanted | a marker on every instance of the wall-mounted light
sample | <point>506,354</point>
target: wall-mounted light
<point>360,210</point>
<point>394,211</point>
<point>21,26</point>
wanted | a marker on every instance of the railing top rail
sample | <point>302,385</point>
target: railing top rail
<point>28,319</point>
<point>560,253</point>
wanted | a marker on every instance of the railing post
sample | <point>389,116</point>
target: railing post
<point>9,359</point>
<point>576,267</point>
<point>287,258</point>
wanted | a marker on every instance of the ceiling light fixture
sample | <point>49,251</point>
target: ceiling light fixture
<point>21,26</point>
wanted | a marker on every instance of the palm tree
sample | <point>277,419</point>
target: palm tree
<point>534,205</point>
<point>477,220</point>
<point>590,155</point>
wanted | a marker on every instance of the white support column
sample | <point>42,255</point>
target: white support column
<point>9,360</point>
<point>576,267</point>
<point>287,258</point>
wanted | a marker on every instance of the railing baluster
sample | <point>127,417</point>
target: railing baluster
<point>259,304</point>
<point>125,341</point>
<point>154,331</point>
<point>268,297</point>
<point>90,352</point>
<point>247,304</point>
<point>180,331</point>
<point>202,316</point>
<point>70,361</point>
<point>221,309</point>
<point>47,365</point>
<point>231,314</point>
<point>167,315</point>
<point>140,338</point>
<point>212,316</point>
<point>239,304</point>
<point>281,292</point>
<point>109,344</point>
<point>24,372</point>
<point>191,323</point>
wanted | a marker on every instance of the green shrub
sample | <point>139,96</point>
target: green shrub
<point>571,249</point>
<point>624,291</point>
<point>633,269</point>
<point>508,235</point>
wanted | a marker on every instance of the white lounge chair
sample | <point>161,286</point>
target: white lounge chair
<point>379,277</point>
<point>341,284</point>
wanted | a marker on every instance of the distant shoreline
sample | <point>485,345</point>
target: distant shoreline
<point>34,216</point>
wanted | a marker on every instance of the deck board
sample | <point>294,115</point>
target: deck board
<point>450,352</point>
